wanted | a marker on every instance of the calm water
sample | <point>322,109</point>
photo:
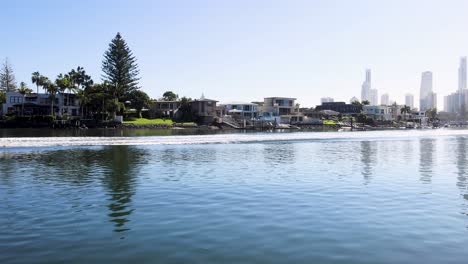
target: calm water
<point>372,197</point>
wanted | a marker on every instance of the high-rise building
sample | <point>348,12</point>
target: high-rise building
<point>425,95</point>
<point>456,102</point>
<point>374,97</point>
<point>461,85</point>
<point>385,99</point>
<point>326,100</point>
<point>432,100</point>
<point>447,103</point>
<point>462,74</point>
<point>409,100</point>
<point>451,103</point>
<point>366,87</point>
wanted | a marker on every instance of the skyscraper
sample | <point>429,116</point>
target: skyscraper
<point>425,96</point>
<point>385,99</point>
<point>409,100</point>
<point>366,87</point>
<point>374,97</point>
<point>461,86</point>
<point>462,74</point>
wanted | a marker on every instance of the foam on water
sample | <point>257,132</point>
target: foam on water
<point>225,138</point>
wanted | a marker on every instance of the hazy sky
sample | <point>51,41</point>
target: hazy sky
<point>246,49</point>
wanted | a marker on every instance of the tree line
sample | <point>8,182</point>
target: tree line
<point>119,87</point>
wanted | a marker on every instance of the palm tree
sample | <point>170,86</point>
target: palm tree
<point>52,90</point>
<point>36,79</point>
<point>63,83</point>
<point>23,90</point>
<point>84,100</point>
<point>78,80</point>
<point>43,82</point>
<point>365,102</point>
<point>405,110</point>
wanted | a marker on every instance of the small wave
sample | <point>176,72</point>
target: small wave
<point>225,138</point>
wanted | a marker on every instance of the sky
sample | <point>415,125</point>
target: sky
<point>245,50</point>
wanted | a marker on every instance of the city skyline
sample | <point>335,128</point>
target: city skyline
<point>246,50</point>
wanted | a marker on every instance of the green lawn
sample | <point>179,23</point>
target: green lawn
<point>329,122</point>
<point>144,121</point>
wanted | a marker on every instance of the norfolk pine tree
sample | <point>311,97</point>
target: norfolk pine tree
<point>120,69</point>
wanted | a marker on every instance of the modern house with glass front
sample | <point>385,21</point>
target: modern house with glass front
<point>40,104</point>
<point>281,110</point>
<point>242,110</point>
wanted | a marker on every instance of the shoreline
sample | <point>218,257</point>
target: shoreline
<point>7,143</point>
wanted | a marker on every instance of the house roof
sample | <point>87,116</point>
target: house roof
<point>204,100</point>
<point>156,101</point>
<point>238,103</point>
<point>330,112</point>
<point>279,97</point>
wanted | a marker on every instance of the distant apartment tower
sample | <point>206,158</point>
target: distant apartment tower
<point>451,103</point>
<point>374,97</point>
<point>426,96</point>
<point>409,100</point>
<point>456,102</point>
<point>326,100</point>
<point>462,86</point>
<point>462,74</point>
<point>385,99</point>
<point>366,87</point>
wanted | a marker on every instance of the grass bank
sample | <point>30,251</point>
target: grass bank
<point>144,121</point>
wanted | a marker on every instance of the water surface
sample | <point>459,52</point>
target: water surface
<point>385,197</point>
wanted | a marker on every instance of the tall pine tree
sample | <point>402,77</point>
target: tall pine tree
<point>120,69</point>
<point>7,78</point>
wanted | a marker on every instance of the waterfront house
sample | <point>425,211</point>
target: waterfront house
<point>167,109</point>
<point>378,112</point>
<point>205,109</point>
<point>281,110</point>
<point>395,111</point>
<point>340,107</point>
<point>241,110</point>
<point>40,104</point>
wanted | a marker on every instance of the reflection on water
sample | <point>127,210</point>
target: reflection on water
<point>462,170</point>
<point>426,159</point>
<point>368,159</point>
<point>461,162</point>
<point>116,167</point>
<point>122,167</point>
<point>287,202</point>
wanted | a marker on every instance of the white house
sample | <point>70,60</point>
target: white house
<point>378,112</point>
<point>243,110</point>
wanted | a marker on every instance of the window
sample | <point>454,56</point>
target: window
<point>15,99</point>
